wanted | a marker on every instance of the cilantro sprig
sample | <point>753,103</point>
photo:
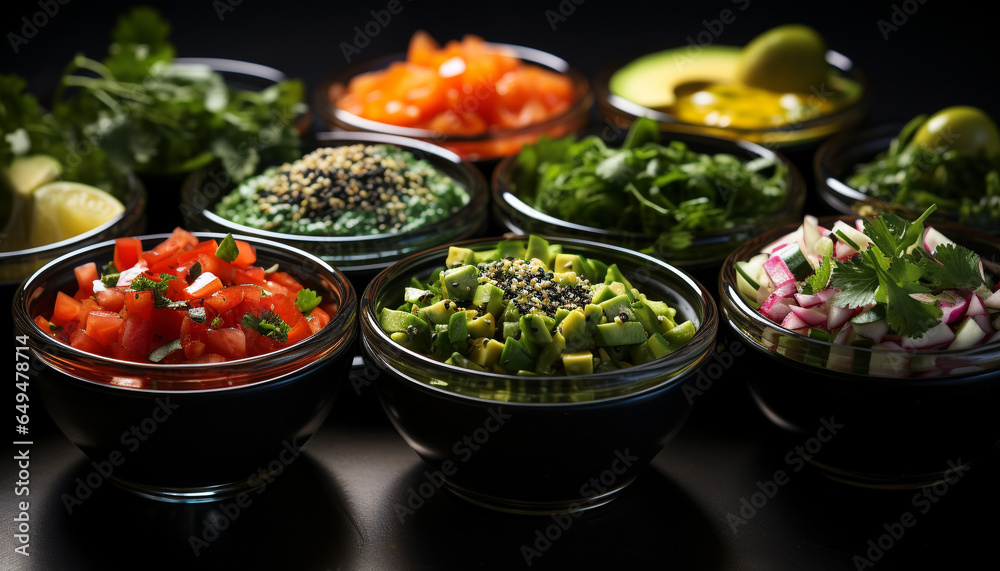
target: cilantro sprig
<point>307,300</point>
<point>267,323</point>
<point>896,270</point>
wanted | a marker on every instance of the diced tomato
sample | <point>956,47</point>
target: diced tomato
<point>318,318</point>
<point>87,306</point>
<point>284,307</point>
<point>247,255</point>
<point>229,342</point>
<point>43,324</point>
<point>193,348</point>
<point>191,327</point>
<point>298,332</point>
<point>103,326</point>
<point>85,276</point>
<point>228,298</point>
<point>139,304</point>
<point>128,251</point>
<point>251,275</point>
<point>79,339</point>
<point>135,338</point>
<point>66,309</point>
<point>286,280</point>
<point>278,289</point>
<point>203,286</point>
<point>258,344</point>
<point>207,358</point>
<point>168,322</point>
<point>111,299</point>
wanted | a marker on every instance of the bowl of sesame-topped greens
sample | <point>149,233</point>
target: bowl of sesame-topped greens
<point>881,327</point>
<point>359,201</point>
<point>588,344</point>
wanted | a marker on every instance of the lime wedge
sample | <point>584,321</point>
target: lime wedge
<point>62,210</point>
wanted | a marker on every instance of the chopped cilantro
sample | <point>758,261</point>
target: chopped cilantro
<point>228,250</point>
<point>818,280</point>
<point>216,322</point>
<point>267,323</point>
<point>307,300</point>
<point>110,280</point>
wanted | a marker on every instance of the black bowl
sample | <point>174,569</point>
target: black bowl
<point>190,432</point>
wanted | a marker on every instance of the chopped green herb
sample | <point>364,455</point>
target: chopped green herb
<point>195,271</point>
<point>267,323</point>
<point>158,354</point>
<point>818,280</point>
<point>54,327</point>
<point>228,250</point>
<point>110,280</point>
<point>216,322</point>
<point>307,300</point>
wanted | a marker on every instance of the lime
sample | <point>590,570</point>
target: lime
<point>62,210</point>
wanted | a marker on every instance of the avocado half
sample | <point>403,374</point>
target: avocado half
<point>652,80</point>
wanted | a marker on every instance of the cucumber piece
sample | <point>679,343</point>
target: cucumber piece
<point>535,328</point>
<point>538,247</point>
<point>458,329</point>
<point>796,261</point>
<point>619,333</point>
<point>514,357</point>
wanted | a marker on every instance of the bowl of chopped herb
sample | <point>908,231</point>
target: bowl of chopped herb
<point>521,369</point>
<point>359,201</point>
<point>688,199</point>
<point>889,371</point>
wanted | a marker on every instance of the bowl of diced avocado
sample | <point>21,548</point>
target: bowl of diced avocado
<point>566,355</point>
<point>879,334</point>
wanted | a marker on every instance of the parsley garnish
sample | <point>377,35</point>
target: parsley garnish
<point>267,323</point>
<point>818,281</point>
<point>307,300</point>
<point>228,250</point>
<point>143,283</point>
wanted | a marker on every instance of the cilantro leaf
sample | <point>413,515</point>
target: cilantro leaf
<point>818,280</point>
<point>904,314</point>
<point>856,281</point>
<point>267,323</point>
<point>307,300</point>
<point>143,283</point>
<point>227,250</point>
<point>953,267</point>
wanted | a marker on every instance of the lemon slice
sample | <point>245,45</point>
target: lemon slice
<point>62,210</point>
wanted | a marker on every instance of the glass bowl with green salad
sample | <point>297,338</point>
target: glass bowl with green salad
<point>572,358</point>
<point>688,199</point>
<point>359,201</point>
<point>950,159</point>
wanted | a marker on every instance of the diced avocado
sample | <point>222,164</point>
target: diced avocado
<point>460,283</point>
<point>681,334</point>
<point>661,309</point>
<point>605,364</point>
<point>515,357</point>
<point>646,316</point>
<point>483,326</point>
<point>439,312</point>
<point>568,263</point>
<point>406,341</point>
<point>490,298</point>
<point>641,353</point>
<point>603,293</point>
<point>565,278</point>
<point>511,248</point>
<point>659,346</point>
<point>485,352</point>
<point>457,359</point>
<point>652,80</point>
<point>511,313</point>
<point>615,275</point>
<point>593,315</point>
<point>535,329</point>
<point>617,307</point>
<point>27,173</point>
<point>620,289</point>
<point>538,247</point>
<point>417,295</point>
<point>574,329</point>
<point>441,346</point>
<point>458,329</point>
<point>549,354</point>
<point>459,257</point>
<point>511,329</point>
<point>579,363</point>
<point>561,314</point>
<point>530,346</point>
<point>597,271</point>
<point>787,58</point>
<point>618,354</point>
<point>619,333</point>
<point>393,321</point>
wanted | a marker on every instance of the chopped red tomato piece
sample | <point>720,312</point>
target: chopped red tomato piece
<point>139,304</point>
<point>85,276</point>
<point>229,342</point>
<point>103,326</point>
<point>247,255</point>
<point>128,251</point>
<point>66,308</point>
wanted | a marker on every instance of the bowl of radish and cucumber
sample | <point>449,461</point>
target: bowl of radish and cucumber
<point>587,343</point>
<point>886,324</point>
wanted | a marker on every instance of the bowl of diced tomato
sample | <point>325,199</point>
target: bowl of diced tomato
<point>480,100</point>
<point>192,366</point>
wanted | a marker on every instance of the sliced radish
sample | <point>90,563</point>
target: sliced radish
<point>793,321</point>
<point>968,334</point>
<point>993,301</point>
<point>824,295</point>
<point>778,271</point>
<point>984,323</point>
<point>976,306</point>
<point>933,239</point>
<point>874,330</point>
<point>952,311</point>
<point>837,316</point>
<point>807,300</point>
<point>938,336</point>
<point>810,316</point>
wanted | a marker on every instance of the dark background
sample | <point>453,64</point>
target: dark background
<point>334,510</point>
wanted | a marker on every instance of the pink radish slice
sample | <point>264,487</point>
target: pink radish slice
<point>933,239</point>
<point>976,306</point>
<point>838,316</point>
<point>792,321</point>
<point>812,317</point>
<point>778,271</point>
<point>940,335</point>
<point>806,300</point>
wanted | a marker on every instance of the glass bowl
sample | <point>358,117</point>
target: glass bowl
<point>791,138</point>
<point>837,159</point>
<point>708,249</point>
<point>483,149</point>
<point>190,432</point>
<point>359,257</point>
<point>906,418</point>
<point>538,444</point>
